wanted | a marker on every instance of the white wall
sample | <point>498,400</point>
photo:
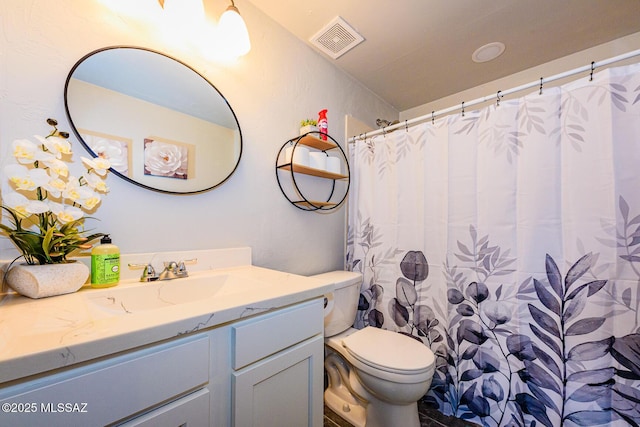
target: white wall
<point>560,65</point>
<point>278,83</point>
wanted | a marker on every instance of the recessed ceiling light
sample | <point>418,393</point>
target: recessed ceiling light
<point>488,52</point>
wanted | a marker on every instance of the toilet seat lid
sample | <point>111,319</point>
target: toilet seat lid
<point>389,351</point>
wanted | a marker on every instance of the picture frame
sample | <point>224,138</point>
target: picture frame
<point>167,158</point>
<point>116,149</point>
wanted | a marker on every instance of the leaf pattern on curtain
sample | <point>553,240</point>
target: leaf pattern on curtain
<point>520,267</point>
<point>563,380</point>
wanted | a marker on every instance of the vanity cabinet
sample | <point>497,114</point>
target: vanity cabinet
<point>265,370</point>
<point>290,174</point>
<point>278,368</point>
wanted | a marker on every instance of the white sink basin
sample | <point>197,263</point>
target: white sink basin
<point>160,294</point>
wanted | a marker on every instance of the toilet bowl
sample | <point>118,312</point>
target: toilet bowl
<point>375,376</point>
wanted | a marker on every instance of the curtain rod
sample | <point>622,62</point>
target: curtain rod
<point>498,95</point>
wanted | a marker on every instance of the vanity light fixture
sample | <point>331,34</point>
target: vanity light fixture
<point>233,31</point>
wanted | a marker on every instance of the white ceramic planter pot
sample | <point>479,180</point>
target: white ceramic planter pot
<point>39,281</point>
<point>307,129</point>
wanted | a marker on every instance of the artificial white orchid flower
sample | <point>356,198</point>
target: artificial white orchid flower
<point>17,202</point>
<point>74,191</point>
<point>91,200</point>
<point>24,151</point>
<point>24,206</point>
<point>55,187</point>
<point>97,165</point>
<point>96,183</point>
<point>57,167</point>
<point>64,213</point>
<point>19,176</point>
<point>26,179</point>
<point>55,145</point>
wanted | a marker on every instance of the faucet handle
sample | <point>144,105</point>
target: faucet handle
<point>148,272</point>
<point>182,268</point>
<point>170,265</point>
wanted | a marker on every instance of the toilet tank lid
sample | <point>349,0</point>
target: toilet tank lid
<point>340,278</point>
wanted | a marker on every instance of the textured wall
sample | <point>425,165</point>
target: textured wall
<point>278,83</point>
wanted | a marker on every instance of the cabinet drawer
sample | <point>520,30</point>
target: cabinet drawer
<point>191,410</point>
<point>107,391</point>
<point>256,339</point>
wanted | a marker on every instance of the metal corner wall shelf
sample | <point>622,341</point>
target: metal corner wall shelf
<point>305,194</point>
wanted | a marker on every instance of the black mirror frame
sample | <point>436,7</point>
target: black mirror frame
<point>126,178</point>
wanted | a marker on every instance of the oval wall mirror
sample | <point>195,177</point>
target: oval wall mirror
<point>160,123</point>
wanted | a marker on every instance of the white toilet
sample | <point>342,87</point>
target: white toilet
<point>375,376</point>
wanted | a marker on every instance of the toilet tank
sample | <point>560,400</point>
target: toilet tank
<point>342,303</point>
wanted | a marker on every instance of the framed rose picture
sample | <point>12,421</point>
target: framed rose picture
<point>116,149</point>
<point>166,158</point>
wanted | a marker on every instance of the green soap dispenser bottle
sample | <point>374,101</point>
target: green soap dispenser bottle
<point>105,264</point>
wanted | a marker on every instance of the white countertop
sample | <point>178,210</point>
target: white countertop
<point>51,333</point>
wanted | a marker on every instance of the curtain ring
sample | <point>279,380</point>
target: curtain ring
<point>462,108</point>
<point>498,100</point>
<point>592,68</point>
<point>540,93</point>
<point>433,117</point>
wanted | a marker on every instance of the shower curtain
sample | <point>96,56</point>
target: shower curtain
<point>508,241</point>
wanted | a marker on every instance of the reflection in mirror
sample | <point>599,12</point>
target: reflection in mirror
<point>160,123</point>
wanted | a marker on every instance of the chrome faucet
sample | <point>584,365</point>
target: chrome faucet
<point>176,270</point>
<point>148,272</point>
<point>172,270</point>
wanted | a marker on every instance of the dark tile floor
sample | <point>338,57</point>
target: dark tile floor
<point>428,418</point>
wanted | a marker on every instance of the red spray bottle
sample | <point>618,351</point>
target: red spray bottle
<point>323,125</point>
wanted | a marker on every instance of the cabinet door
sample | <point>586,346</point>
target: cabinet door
<point>282,390</point>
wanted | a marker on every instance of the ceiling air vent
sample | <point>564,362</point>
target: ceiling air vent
<point>336,38</point>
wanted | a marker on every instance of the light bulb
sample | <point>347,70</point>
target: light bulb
<point>234,32</point>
